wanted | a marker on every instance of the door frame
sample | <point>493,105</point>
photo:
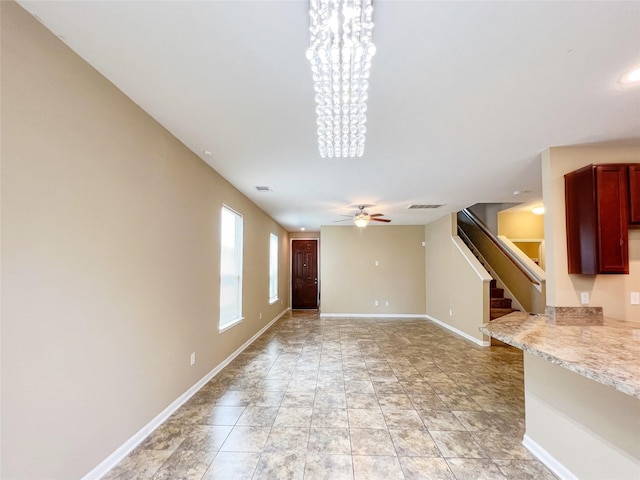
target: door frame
<point>317,240</point>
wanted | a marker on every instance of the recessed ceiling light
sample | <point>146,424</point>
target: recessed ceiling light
<point>632,77</point>
<point>521,192</point>
<point>302,228</point>
<point>207,153</point>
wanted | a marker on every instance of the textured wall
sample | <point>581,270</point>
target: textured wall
<point>350,280</point>
<point>563,290</point>
<point>110,261</point>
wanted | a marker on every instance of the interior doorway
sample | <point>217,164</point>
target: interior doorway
<point>304,274</point>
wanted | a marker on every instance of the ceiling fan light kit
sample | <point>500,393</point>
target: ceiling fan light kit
<point>340,54</point>
<point>361,220</point>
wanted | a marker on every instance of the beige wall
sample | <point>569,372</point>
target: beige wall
<point>608,291</point>
<point>350,281</point>
<point>521,225</point>
<point>110,261</point>
<point>457,287</point>
<point>304,235</point>
<point>561,404</point>
<point>587,428</point>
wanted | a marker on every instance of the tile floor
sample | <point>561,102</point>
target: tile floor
<point>349,399</point>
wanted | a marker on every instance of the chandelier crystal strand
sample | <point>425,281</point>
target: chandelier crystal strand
<point>340,55</point>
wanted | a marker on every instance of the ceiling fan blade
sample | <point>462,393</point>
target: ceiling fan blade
<point>343,220</point>
<point>376,215</point>
<point>386,220</point>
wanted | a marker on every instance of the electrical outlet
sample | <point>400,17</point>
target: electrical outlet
<point>635,298</point>
<point>376,263</point>
<point>260,315</point>
<point>584,298</point>
<point>386,304</point>
<point>451,312</point>
<point>193,358</point>
<point>376,303</point>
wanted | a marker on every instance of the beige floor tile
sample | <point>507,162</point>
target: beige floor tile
<point>376,468</point>
<point>524,469</point>
<point>185,465</point>
<point>370,441</point>
<point>287,439</point>
<point>344,398</point>
<point>457,445</point>
<point>414,443</point>
<point>281,466</point>
<point>425,468</point>
<point>366,418</point>
<point>402,419</point>
<point>293,417</point>
<point>475,469</point>
<point>330,417</point>
<point>333,441</point>
<point>328,467</point>
<point>246,439</point>
<point>258,416</point>
<point>208,438</point>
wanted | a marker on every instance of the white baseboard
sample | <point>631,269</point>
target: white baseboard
<point>482,343</point>
<point>373,315</point>
<point>115,458</point>
<point>549,461</point>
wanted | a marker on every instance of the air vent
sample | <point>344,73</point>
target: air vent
<point>424,207</point>
<point>263,189</point>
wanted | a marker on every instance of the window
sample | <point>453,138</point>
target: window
<point>273,268</point>
<point>230,268</point>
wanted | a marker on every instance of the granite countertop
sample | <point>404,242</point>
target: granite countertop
<point>604,350</point>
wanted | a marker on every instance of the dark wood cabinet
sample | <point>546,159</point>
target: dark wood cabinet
<point>597,206</point>
<point>634,194</point>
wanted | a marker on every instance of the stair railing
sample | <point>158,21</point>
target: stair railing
<point>513,272</point>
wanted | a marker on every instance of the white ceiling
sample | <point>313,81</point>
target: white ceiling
<point>463,98</point>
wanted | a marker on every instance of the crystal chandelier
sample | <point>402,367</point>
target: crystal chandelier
<point>340,56</point>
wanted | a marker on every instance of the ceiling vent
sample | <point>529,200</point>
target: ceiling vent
<point>424,207</point>
<point>263,189</point>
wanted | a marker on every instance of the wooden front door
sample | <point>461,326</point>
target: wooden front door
<point>304,275</point>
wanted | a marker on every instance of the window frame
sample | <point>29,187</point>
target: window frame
<point>225,323</point>
<point>274,254</point>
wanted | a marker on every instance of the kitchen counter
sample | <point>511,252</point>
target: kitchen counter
<point>604,350</point>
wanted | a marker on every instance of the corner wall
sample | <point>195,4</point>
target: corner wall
<point>350,280</point>
<point>563,290</point>
<point>110,261</point>
<point>457,285</point>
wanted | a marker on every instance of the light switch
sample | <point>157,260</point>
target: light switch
<point>635,298</point>
<point>584,298</point>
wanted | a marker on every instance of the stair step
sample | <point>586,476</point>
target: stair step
<point>497,293</point>
<point>500,312</point>
<point>500,303</point>
<point>493,284</point>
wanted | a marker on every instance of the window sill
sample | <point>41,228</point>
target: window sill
<point>230,325</point>
<point>273,300</point>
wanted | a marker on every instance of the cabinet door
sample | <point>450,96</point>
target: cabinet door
<point>612,218</point>
<point>582,231</point>
<point>634,194</point>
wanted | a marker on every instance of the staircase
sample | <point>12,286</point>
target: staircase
<point>500,305</point>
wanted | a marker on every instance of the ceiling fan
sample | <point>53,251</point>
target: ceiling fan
<point>362,218</point>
